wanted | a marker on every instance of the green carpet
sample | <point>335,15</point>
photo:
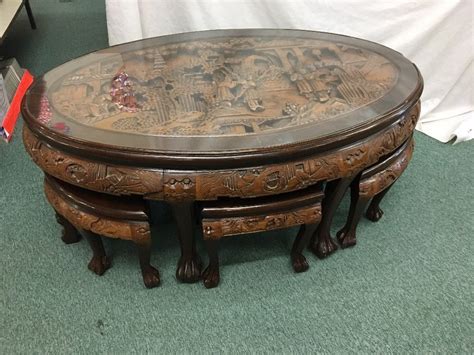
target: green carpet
<point>407,287</point>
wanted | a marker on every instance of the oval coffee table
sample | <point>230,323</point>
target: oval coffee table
<point>231,114</point>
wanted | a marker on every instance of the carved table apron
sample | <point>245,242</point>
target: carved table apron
<point>233,113</point>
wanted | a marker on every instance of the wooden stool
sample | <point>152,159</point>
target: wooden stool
<point>94,215</point>
<point>225,218</point>
<point>374,183</point>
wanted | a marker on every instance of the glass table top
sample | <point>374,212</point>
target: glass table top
<point>226,90</point>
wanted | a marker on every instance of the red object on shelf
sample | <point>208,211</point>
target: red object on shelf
<point>9,122</point>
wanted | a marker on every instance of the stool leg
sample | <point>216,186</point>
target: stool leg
<point>151,276</point>
<point>298,260</point>
<point>374,212</point>
<point>211,275</point>
<point>70,234</point>
<point>99,262</point>
<point>347,235</point>
<point>321,243</point>
<point>189,266</point>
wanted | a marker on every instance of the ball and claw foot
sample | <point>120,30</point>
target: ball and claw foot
<point>211,276</point>
<point>299,262</point>
<point>346,238</point>
<point>323,247</point>
<point>151,277</point>
<point>189,270</point>
<point>99,265</point>
<point>374,214</point>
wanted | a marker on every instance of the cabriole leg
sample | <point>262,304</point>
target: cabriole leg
<point>374,212</point>
<point>151,276</point>
<point>99,262</point>
<point>298,260</point>
<point>347,235</point>
<point>321,243</point>
<point>189,268</point>
<point>211,275</point>
<point>70,234</point>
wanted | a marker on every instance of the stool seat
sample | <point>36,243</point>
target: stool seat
<point>373,183</point>
<point>93,214</point>
<point>134,208</point>
<point>229,217</point>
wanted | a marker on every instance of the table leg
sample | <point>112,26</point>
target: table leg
<point>211,275</point>
<point>374,212</point>
<point>298,260</point>
<point>321,243</point>
<point>99,262</point>
<point>70,234</point>
<point>30,14</point>
<point>347,235</point>
<point>189,267</point>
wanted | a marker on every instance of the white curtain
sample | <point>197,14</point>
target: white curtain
<point>435,34</point>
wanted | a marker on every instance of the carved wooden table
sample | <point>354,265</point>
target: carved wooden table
<point>223,114</point>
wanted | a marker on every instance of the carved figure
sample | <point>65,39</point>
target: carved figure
<point>218,87</point>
